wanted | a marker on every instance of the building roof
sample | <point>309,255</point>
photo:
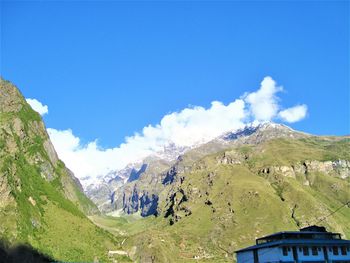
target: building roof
<point>310,236</point>
<point>314,228</point>
<point>299,242</point>
<point>301,234</point>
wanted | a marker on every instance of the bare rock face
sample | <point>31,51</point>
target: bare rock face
<point>131,201</point>
<point>143,202</point>
<point>287,171</point>
<point>261,133</point>
<point>231,157</point>
<point>340,168</point>
<point>5,193</point>
<point>176,207</point>
<point>10,98</point>
<point>141,192</point>
<point>51,152</point>
<point>316,166</point>
<point>149,204</point>
<point>102,196</point>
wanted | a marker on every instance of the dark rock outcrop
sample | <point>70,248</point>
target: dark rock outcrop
<point>144,202</point>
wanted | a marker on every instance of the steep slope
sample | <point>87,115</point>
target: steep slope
<point>107,191</point>
<point>117,191</point>
<point>41,202</point>
<point>142,195</point>
<point>257,185</point>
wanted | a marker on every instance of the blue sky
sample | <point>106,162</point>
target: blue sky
<point>108,69</point>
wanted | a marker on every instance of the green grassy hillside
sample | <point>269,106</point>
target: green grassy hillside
<point>220,206</point>
<point>41,202</point>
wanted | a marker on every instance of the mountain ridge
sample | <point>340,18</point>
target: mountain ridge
<point>251,134</point>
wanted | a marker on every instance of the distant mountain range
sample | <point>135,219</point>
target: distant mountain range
<point>112,188</point>
<point>121,190</point>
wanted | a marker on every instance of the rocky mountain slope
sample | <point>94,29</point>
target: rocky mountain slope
<point>199,204</point>
<point>220,196</point>
<point>223,201</point>
<point>143,182</point>
<point>108,195</point>
<point>41,202</point>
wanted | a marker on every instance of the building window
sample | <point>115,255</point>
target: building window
<point>285,251</point>
<point>314,251</point>
<point>305,251</point>
<point>343,250</point>
<point>335,250</point>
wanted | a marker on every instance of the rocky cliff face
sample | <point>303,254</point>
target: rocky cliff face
<point>133,189</point>
<point>143,202</point>
<point>110,191</point>
<point>340,168</point>
<point>142,195</point>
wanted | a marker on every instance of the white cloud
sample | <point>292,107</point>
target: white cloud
<point>185,128</point>
<point>293,114</point>
<point>264,102</point>
<point>85,160</point>
<point>38,106</point>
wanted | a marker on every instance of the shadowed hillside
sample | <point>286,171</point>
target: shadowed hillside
<point>21,253</point>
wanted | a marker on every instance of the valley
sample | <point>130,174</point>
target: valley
<point>221,205</point>
<point>195,204</point>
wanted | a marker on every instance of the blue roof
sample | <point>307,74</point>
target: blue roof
<point>299,233</point>
<point>299,242</point>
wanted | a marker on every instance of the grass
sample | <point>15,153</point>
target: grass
<point>285,152</point>
<point>41,204</point>
<point>71,238</point>
<point>231,205</point>
<point>243,205</point>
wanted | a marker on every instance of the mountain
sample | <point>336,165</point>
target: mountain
<point>222,195</point>
<point>105,191</point>
<point>143,181</point>
<point>179,205</point>
<point>42,204</point>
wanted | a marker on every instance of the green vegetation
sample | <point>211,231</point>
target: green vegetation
<point>41,203</point>
<point>286,152</point>
<point>233,204</point>
<point>217,207</point>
